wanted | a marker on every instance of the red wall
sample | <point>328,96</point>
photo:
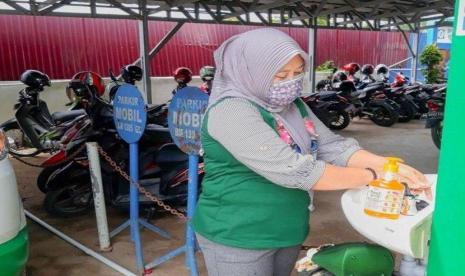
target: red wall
<point>61,47</point>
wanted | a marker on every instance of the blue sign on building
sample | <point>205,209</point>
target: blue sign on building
<point>185,115</point>
<point>129,113</point>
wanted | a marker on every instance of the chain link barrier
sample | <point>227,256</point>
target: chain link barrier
<point>141,189</point>
<point>66,160</point>
<point>119,170</point>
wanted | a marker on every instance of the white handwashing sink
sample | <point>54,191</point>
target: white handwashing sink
<point>408,235</point>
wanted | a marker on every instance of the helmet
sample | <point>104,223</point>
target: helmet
<point>86,82</point>
<point>399,80</point>
<point>207,73</point>
<point>35,79</point>
<point>367,69</point>
<point>351,68</point>
<point>338,77</point>
<point>131,73</point>
<point>381,69</point>
<point>183,75</point>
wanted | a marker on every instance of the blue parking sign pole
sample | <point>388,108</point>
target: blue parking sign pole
<point>185,115</point>
<point>130,118</point>
<point>134,204</point>
<point>191,203</point>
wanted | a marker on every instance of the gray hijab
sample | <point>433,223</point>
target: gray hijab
<point>245,68</point>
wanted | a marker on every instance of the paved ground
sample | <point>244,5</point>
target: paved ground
<point>51,256</point>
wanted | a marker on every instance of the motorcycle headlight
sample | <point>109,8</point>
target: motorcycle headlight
<point>3,145</point>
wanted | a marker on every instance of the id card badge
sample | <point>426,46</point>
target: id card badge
<point>314,147</point>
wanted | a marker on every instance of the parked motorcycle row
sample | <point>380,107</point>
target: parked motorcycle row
<point>355,91</point>
<point>351,92</point>
<point>65,177</point>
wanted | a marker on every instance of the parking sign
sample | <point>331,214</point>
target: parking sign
<point>129,113</point>
<point>185,115</point>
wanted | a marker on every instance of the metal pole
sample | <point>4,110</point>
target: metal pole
<point>144,50</point>
<point>191,203</point>
<point>80,246</point>
<point>134,205</point>
<point>415,46</point>
<point>99,197</point>
<point>312,36</point>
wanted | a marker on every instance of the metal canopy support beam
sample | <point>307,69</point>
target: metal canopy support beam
<point>165,40</point>
<point>53,7</point>
<point>123,8</point>
<point>144,50</point>
<point>416,42</point>
<point>406,38</point>
<point>258,8</point>
<point>367,14</point>
<point>312,35</point>
<point>14,5</point>
<point>210,12</point>
<point>418,21</point>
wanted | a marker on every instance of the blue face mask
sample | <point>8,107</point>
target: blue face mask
<point>285,92</point>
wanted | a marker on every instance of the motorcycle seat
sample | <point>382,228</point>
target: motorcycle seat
<point>170,153</point>
<point>327,94</point>
<point>154,108</point>
<point>396,89</point>
<point>357,94</point>
<point>154,129</point>
<point>371,88</point>
<point>62,116</point>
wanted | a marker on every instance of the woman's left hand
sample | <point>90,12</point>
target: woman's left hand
<point>416,180</point>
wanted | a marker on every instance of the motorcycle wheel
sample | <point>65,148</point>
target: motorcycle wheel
<point>384,116</point>
<point>71,200</point>
<point>407,112</point>
<point>42,179</point>
<point>338,119</point>
<point>19,144</point>
<point>436,134</point>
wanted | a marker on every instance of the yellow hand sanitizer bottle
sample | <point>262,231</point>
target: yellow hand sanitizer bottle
<point>385,195</point>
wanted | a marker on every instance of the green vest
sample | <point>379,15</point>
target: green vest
<point>239,208</point>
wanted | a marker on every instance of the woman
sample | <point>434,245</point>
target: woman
<point>264,151</point>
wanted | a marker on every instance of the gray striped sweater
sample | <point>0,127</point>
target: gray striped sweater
<point>239,127</point>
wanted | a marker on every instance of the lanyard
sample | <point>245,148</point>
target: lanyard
<point>286,137</point>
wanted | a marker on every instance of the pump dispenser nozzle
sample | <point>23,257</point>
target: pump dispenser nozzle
<point>392,165</point>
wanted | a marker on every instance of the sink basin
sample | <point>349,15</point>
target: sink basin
<point>408,235</point>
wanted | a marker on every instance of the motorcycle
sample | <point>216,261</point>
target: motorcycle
<point>34,129</point>
<point>164,168</point>
<point>369,102</point>
<point>422,94</point>
<point>435,117</point>
<point>365,100</point>
<point>398,93</point>
<point>330,109</point>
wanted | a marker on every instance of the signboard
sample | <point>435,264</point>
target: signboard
<point>460,31</point>
<point>129,113</point>
<point>444,35</point>
<point>185,115</point>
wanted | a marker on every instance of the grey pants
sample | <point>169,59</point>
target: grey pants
<point>231,261</point>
